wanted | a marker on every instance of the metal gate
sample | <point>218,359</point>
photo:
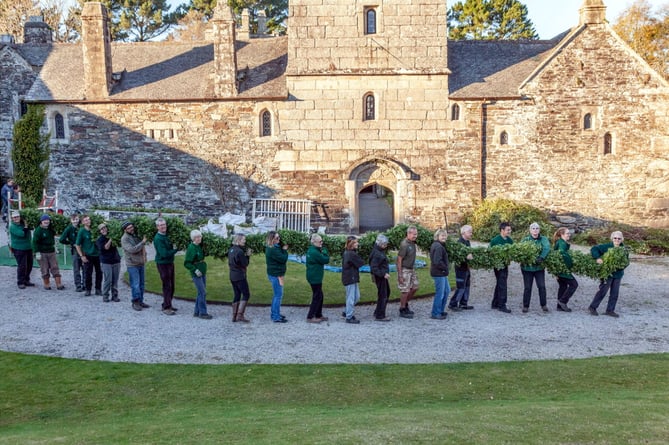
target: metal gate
<point>291,214</point>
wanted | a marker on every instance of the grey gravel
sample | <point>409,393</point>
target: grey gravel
<point>67,324</point>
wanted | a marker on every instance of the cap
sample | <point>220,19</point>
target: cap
<point>44,218</point>
<point>100,226</point>
<point>125,225</point>
<point>15,213</point>
<point>535,226</point>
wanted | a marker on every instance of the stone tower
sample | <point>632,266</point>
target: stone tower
<point>225,57</point>
<point>592,12</point>
<point>96,44</point>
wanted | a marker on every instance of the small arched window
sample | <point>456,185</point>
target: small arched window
<point>587,121</point>
<point>455,112</point>
<point>370,107</point>
<point>504,138</point>
<point>59,124</point>
<point>265,123</point>
<point>370,21</point>
<point>608,144</point>
<point>24,108</point>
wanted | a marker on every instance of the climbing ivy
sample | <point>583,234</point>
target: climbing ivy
<point>31,153</point>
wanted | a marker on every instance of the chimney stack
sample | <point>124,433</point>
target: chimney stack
<point>36,31</point>
<point>225,57</point>
<point>96,43</point>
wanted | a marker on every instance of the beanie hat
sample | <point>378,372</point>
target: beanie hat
<point>101,226</point>
<point>44,218</point>
<point>125,225</point>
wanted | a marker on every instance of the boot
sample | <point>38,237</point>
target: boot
<point>59,284</point>
<point>47,285</point>
<point>240,315</point>
<point>235,308</point>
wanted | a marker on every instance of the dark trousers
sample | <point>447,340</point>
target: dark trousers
<point>240,289</point>
<point>24,263</point>
<point>77,269</point>
<point>93,264</point>
<point>528,278</point>
<point>604,286</point>
<point>382,295</point>
<point>499,297</point>
<point>166,272</point>
<point>566,288</point>
<point>316,306</point>
<point>462,284</point>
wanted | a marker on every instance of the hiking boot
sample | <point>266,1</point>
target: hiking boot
<point>504,309</point>
<point>98,291</point>
<point>168,312</point>
<point>545,308</point>
<point>563,307</point>
<point>343,314</point>
<point>382,319</point>
<point>136,306</point>
<point>116,299</point>
<point>465,307</point>
<point>526,310</point>
<point>29,284</point>
<point>313,320</point>
<point>143,305</point>
<point>353,320</point>
<point>404,313</point>
<point>22,286</point>
<point>455,308</point>
<point>441,316</point>
<point>205,316</point>
<point>105,299</point>
<point>80,289</point>
<point>592,311</point>
<point>611,314</point>
<point>87,293</point>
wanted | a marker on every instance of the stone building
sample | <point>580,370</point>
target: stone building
<point>364,106</point>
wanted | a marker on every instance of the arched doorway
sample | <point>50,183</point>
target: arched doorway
<point>375,203</point>
<point>376,190</point>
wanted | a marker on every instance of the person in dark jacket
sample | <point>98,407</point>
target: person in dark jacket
<point>611,282</point>
<point>69,237</point>
<point>350,277</point>
<point>535,271</point>
<point>460,298</point>
<point>110,263</point>
<point>44,247</point>
<point>165,252</point>
<point>90,257</point>
<point>567,284</point>
<point>317,258</point>
<point>439,273</point>
<point>380,271</point>
<point>19,236</point>
<point>276,257</point>
<point>238,261</point>
<point>500,294</point>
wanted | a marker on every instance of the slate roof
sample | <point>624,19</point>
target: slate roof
<point>183,71</point>
<point>160,70</point>
<point>494,68</point>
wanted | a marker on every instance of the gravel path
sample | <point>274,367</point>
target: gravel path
<point>66,324</point>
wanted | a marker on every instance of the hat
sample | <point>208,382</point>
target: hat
<point>125,225</point>
<point>44,218</point>
<point>535,226</point>
<point>100,226</point>
<point>15,213</point>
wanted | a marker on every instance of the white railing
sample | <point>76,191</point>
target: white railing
<point>291,214</point>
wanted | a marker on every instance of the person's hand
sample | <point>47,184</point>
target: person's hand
<point>198,273</point>
<point>144,239</point>
<point>84,259</point>
<point>386,276</point>
<point>599,261</point>
<point>539,260</point>
<point>249,252</point>
<point>174,246</point>
<point>470,257</point>
<point>38,256</point>
<point>285,247</point>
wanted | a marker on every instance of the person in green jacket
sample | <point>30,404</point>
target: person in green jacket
<point>276,257</point>
<point>611,282</point>
<point>317,258</point>
<point>195,264</point>
<point>567,284</point>
<point>44,246</point>
<point>501,275</point>
<point>90,256</point>
<point>535,271</point>
<point>165,252</point>
<point>69,237</point>
<point>19,237</point>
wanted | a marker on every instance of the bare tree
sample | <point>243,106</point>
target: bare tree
<point>14,14</point>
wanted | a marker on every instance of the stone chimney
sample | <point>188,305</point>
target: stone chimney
<point>36,31</point>
<point>262,23</point>
<point>244,30</point>
<point>225,57</point>
<point>592,12</point>
<point>96,44</point>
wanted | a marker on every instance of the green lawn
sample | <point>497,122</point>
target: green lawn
<point>296,289</point>
<point>618,400</point>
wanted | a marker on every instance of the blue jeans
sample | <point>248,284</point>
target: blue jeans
<point>201,299</point>
<point>277,296</point>
<point>352,297</point>
<point>441,290</point>
<point>136,277</point>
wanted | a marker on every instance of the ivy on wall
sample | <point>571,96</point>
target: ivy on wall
<point>30,154</point>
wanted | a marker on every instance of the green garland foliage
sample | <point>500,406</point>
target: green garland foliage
<point>31,153</point>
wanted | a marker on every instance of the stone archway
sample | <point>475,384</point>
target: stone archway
<point>376,185</point>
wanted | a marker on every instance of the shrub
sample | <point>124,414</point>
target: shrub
<point>31,153</point>
<point>487,216</point>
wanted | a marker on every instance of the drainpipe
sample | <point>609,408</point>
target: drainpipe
<point>483,149</point>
